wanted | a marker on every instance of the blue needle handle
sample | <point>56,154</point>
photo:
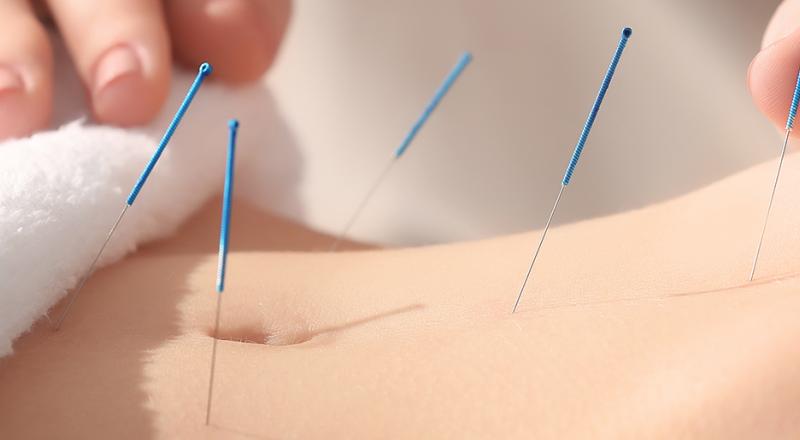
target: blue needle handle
<point>224,231</point>
<point>795,101</point>
<point>587,128</point>
<point>465,59</point>
<point>204,70</point>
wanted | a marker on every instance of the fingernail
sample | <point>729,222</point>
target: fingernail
<point>10,80</point>
<point>749,76</point>
<point>18,115</point>
<point>225,8</point>
<point>117,83</point>
<point>116,63</point>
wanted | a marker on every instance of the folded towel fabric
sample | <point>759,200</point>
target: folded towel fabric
<point>61,190</point>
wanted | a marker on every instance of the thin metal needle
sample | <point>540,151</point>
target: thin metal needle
<point>769,207</point>
<point>789,125</point>
<point>204,70</point>
<point>576,154</point>
<point>361,205</point>
<point>538,248</point>
<point>224,234</point>
<point>213,360</point>
<point>440,93</point>
<point>91,269</point>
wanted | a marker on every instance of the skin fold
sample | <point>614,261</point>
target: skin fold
<point>637,325</point>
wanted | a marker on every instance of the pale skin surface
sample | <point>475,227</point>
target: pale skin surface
<point>639,325</point>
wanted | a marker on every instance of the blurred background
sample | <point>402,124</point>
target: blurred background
<point>354,75</point>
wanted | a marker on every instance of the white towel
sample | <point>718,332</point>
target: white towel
<point>61,190</point>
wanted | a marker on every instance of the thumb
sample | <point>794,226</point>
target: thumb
<point>773,72</point>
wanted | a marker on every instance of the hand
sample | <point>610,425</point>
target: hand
<point>123,51</point>
<point>773,72</point>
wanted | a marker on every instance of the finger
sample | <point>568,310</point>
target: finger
<point>121,50</point>
<point>41,11</point>
<point>783,22</point>
<point>240,38</point>
<point>773,72</point>
<point>26,66</point>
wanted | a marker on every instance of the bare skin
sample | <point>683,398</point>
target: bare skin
<point>639,325</point>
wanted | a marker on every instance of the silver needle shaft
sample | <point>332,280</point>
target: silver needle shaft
<point>357,213</point>
<point>538,248</point>
<point>793,107</point>
<point>771,198</point>
<point>203,71</point>
<point>91,269</point>
<point>576,154</point>
<point>224,235</point>
<point>440,93</point>
<point>213,360</point>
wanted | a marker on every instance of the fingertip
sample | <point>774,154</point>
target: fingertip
<point>239,37</point>
<point>782,23</point>
<point>24,109</point>
<point>26,74</point>
<point>121,50</point>
<point>122,92</point>
<point>772,78</point>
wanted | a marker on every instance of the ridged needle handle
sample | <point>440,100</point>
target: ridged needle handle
<point>203,71</point>
<point>224,230</point>
<point>795,102</point>
<point>451,78</point>
<point>587,128</point>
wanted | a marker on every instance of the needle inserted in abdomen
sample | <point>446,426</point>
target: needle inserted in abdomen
<point>789,126</point>
<point>203,71</point>
<point>462,63</point>
<point>576,155</point>
<point>224,234</point>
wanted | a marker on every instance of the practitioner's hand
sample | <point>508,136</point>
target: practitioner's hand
<point>773,72</point>
<point>123,51</point>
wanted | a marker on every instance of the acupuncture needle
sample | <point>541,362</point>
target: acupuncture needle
<point>576,155</point>
<point>224,233</point>
<point>204,70</point>
<point>451,77</point>
<point>789,127</point>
